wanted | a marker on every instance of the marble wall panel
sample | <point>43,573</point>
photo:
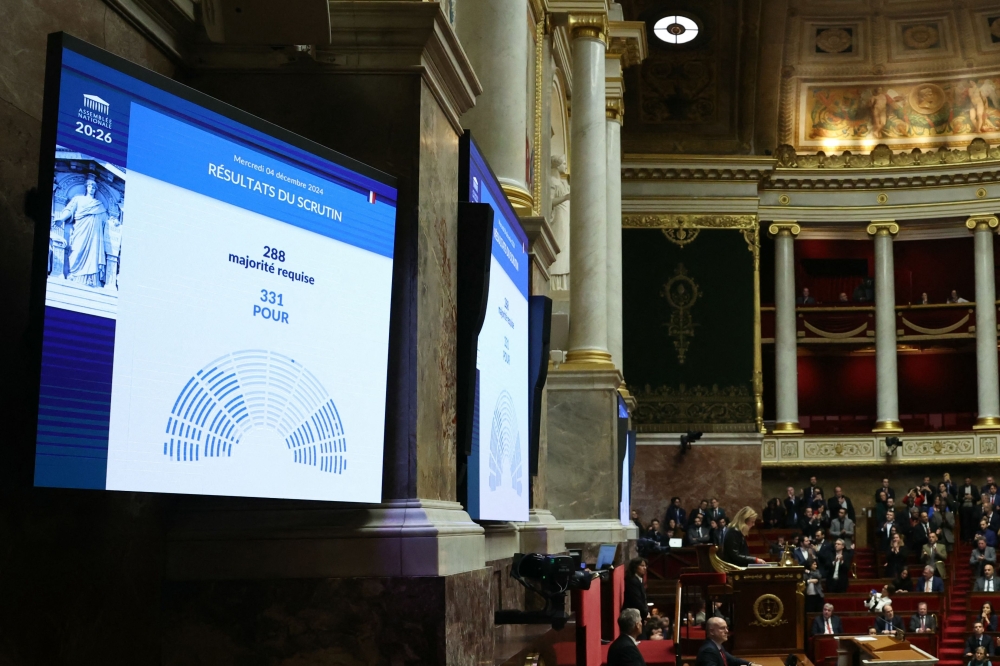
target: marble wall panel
<point>429,620</point>
<point>583,478</point>
<point>730,472</point>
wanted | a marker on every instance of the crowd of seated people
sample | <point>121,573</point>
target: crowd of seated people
<point>917,523</point>
<point>865,293</point>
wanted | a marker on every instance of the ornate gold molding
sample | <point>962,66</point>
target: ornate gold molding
<point>628,41</point>
<point>714,409</point>
<point>689,221</point>
<point>883,228</point>
<point>588,26</point>
<point>882,156</point>
<point>519,198</point>
<point>536,158</point>
<point>982,222</point>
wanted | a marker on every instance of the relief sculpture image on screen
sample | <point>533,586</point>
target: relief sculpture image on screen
<point>86,233</point>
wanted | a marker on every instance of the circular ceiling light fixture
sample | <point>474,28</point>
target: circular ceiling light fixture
<point>675,29</point>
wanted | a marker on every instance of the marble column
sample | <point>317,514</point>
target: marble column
<point>588,325</point>
<point>887,420</point>
<point>786,377</point>
<point>983,227</point>
<point>614,229</point>
<point>494,35</point>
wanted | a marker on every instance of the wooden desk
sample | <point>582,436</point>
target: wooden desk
<point>880,651</point>
<point>775,660</point>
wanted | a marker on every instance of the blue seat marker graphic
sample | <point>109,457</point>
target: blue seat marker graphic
<point>505,444</point>
<point>255,389</point>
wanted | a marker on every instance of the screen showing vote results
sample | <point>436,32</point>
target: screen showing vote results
<point>217,299</point>
<point>498,468</point>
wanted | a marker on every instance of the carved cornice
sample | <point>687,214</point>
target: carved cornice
<point>543,246</point>
<point>917,449</point>
<point>588,26</point>
<point>641,221</point>
<point>715,409</point>
<point>614,109</point>
<point>628,41</point>
<point>170,24</point>
<point>882,156</point>
<point>696,167</point>
<point>781,227</point>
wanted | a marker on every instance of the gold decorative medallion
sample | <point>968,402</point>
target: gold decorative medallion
<point>981,192</point>
<point>784,199</point>
<point>927,98</point>
<point>882,198</point>
<point>768,610</point>
<point>834,40</point>
<point>681,293</point>
<point>922,36</point>
<point>680,235</point>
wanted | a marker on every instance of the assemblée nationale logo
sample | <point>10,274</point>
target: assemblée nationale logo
<point>95,110</point>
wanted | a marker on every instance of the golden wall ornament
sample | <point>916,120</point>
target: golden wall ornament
<point>689,221</point>
<point>681,293</point>
<point>681,236</point>
<point>710,409</point>
<point>769,611</point>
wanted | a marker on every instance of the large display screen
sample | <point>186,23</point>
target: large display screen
<point>498,476</point>
<point>217,295</point>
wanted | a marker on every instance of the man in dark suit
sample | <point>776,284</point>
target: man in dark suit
<point>828,623</point>
<point>635,587</point>
<point>978,639</point>
<point>697,533</point>
<point>809,493</point>
<point>624,651</point>
<point>922,622</point>
<point>888,623</point>
<point>929,579</point>
<point>719,533</point>
<point>715,511</point>
<point>793,508</point>
<point>985,489</point>
<point>840,501</point>
<point>712,652</point>
<point>889,492</point>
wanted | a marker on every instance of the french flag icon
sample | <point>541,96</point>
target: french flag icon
<point>371,197</point>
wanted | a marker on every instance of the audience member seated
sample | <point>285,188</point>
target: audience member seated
<point>838,567</point>
<point>988,512</point>
<point>842,298</point>
<point>888,623</point>
<point>978,639</point>
<point>981,555</point>
<point>635,588</point>
<point>778,547</point>
<point>922,622</point>
<point>987,582</point>
<point>985,488</point>
<point>923,299</point>
<point>842,527</point>
<point>902,582</point>
<point>655,535</point>
<point>676,512</point>
<point>955,298</point>
<point>805,298</point>
<point>624,651</point>
<point>930,582</point>
<point>712,652</point>
<point>933,554</point>
<point>697,533</point>
<point>987,617</point>
<point>980,658</point>
<point>828,623</point>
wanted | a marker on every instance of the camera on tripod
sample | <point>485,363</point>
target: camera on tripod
<point>550,577</point>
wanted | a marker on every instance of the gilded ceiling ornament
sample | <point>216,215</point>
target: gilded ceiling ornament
<point>923,36</point>
<point>927,98</point>
<point>833,40</point>
<point>681,293</point>
<point>680,236</point>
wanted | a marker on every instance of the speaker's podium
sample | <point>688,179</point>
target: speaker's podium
<point>880,651</point>
<point>766,607</point>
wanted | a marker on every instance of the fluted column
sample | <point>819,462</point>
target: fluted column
<point>588,328</point>
<point>988,382</point>
<point>887,383</point>
<point>786,377</point>
<point>494,35</point>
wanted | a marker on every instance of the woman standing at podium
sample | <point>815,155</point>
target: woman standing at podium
<point>734,547</point>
